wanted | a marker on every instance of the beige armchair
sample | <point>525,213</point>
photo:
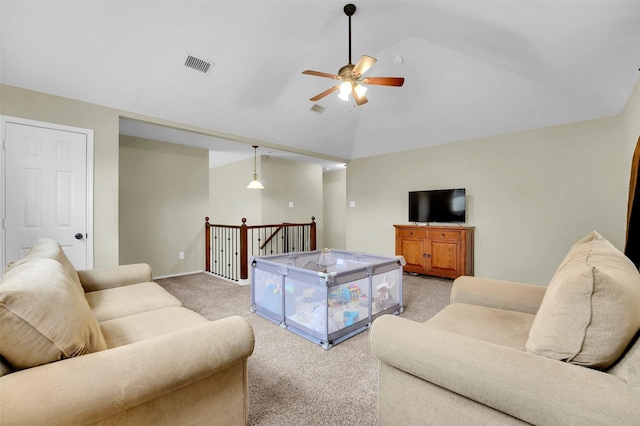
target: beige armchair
<point>507,353</point>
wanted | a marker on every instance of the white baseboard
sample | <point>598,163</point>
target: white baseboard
<point>177,275</point>
<point>239,282</point>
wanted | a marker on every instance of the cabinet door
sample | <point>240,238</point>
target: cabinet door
<point>444,259</point>
<point>413,250</point>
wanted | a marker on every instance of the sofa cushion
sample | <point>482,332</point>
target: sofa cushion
<point>147,325</point>
<point>115,276</point>
<point>131,299</point>
<point>44,318</point>
<point>45,248</point>
<point>483,323</point>
<point>591,309</point>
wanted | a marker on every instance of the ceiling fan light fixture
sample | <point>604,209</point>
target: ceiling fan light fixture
<point>345,91</point>
<point>345,88</point>
<point>351,74</point>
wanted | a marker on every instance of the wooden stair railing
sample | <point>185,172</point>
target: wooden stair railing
<point>228,247</point>
<point>273,234</point>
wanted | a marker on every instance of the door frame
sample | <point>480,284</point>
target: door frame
<point>4,120</point>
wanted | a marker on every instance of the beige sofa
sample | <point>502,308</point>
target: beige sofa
<point>505,353</point>
<point>109,346</point>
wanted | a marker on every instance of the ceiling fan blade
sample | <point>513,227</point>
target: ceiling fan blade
<point>320,74</point>
<point>325,93</point>
<point>363,65</point>
<point>384,81</point>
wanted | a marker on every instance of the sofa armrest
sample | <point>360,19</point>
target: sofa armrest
<point>497,294</point>
<point>534,389</point>
<point>115,276</point>
<point>96,386</point>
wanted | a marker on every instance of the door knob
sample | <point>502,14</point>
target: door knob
<point>79,236</point>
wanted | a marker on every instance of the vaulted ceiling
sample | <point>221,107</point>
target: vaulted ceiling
<point>471,68</point>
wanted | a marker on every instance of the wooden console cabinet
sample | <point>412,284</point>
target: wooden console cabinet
<point>442,251</point>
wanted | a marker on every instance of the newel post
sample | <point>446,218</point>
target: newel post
<point>244,251</point>
<point>207,245</point>
<point>312,233</point>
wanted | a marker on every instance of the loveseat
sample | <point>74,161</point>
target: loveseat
<point>505,353</point>
<point>109,346</point>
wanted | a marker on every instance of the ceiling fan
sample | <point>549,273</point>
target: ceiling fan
<point>351,75</point>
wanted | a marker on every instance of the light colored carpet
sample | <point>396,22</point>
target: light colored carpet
<point>293,381</point>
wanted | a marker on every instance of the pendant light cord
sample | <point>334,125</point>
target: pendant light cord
<point>255,162</point>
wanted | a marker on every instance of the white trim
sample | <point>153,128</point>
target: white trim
<point>4,119</point>
<point>240,282</point>
<point>177,275</point>
<point>90,164</point>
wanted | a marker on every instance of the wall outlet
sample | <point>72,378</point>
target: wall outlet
<point>290,203</point>
<point>181,255</point>
<point>352,203</point>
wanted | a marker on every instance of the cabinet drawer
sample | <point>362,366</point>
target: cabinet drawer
<point>445,233</point>
<point>412,232</point>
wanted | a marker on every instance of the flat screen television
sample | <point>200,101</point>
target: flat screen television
<point>439,205</point>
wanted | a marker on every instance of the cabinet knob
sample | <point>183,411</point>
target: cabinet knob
<point>443,235</point>
<point>411,233</point>
<point>428,255</point>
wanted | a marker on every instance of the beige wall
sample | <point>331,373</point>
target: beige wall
<point>512,180</point>
<point>291,181</point>
<point>16,102</point>
<point>334,187</point>
<point>164,197</point>
<point>530,195</point>
<point>284,181</point>
<point>229,198</point>
<point>302,184</point>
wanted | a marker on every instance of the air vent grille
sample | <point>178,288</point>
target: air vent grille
<point>198,64</point>
<point>317,109</point>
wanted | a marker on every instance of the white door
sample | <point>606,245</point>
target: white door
<point>47,189</point>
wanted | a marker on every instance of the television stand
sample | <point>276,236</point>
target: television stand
<point>441,251</point>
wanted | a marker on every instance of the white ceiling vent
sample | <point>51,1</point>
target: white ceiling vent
<point>198,64</point>
<point>317,109</point>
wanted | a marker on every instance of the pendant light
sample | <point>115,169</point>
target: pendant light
<point>255,183</point>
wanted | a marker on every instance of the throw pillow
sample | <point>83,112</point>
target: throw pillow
<point>45,248</point>
<point>591,309</point>
<point>44,318</point>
